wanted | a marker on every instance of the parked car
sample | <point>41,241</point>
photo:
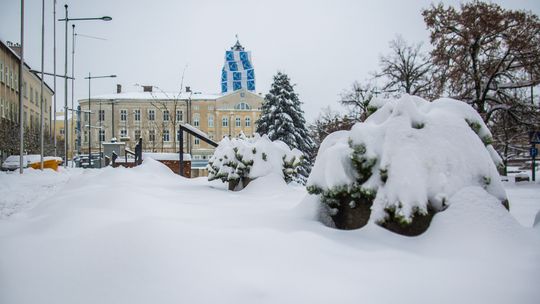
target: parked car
<point>12,163</point>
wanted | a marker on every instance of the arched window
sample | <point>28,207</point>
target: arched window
<point>248,121</point>
<point>242,106</point>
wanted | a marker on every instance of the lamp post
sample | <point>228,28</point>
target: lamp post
<point>90,77</point>
<point>21,110</point>
<point>41,90</point>
<point>67,20</point>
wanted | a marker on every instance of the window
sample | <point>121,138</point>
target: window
<point>225,122</point>
<point>196,107</point>
<point>210,121</point>
<point>179,115</point>
<point>152,135</point>
<point>166,115</point>
<point>210,108</point>
<point>123,133</point>
<point>6,75</point>
<point>197,141</point>
<point>166,136</point>
<point>248,121</point>
<point>1,71</point>
<point>242,106</point>
<point>137,117</point>
<point>238,122</point>
<point>101,115</point>
<point>196,120</point>
<point>31,94</point>
<point>137,134</point>
<point>25,90</point>
<point>102,135</point>
<point>11,79</point>
<point>151,115</point>
<point>16,82</point>
<point>123,115</point>
<point>62,132</point>
<point>36,98</point>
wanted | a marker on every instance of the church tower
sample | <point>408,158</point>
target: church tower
<point>237,72</point>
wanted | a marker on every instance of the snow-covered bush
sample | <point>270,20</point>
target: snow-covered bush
<point>401,166</point>
<point>240,160</point>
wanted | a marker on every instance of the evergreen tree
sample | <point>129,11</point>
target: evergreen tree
<point>283,119</point>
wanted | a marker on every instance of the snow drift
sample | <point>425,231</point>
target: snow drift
<point>240,160</point>
<point>404,163</point>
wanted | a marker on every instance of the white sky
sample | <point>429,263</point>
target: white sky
<point>323,45</point>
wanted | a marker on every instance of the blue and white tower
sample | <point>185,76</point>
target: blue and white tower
<point>237,72</point>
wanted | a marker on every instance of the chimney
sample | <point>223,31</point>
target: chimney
<point>147,88</point>
<point>188,89</point>
<point>118,88</point>
<point>16,47</point>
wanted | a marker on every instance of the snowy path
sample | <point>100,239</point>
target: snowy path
<point>145,235</point>
<point>524,201</point>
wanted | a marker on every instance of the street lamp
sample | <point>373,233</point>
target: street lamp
<point>90,77</point>
<point>67,20</point>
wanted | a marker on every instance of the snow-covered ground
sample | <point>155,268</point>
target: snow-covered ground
<point>145,235</point>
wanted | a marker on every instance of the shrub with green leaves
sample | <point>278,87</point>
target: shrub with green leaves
<point>240,160</point>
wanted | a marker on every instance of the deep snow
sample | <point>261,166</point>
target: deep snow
<point>145,235</point>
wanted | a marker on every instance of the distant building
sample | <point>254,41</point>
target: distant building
<point>9,95</point>
<point>238,72</point>
<point>61,133</point>
<point>155,117</point>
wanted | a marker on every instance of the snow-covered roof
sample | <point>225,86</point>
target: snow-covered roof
<point>156,96</point>
<point>165,156</point>
<point>26,65</point>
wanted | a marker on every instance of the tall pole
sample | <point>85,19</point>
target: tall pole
<point>66,139</point>
<point>72,128</point>
<point>112,118</point>
<point>100,129</point>
<point>89,124</point>
<point>41,91</point>
<point>54,79</point>
<point>21,110</point>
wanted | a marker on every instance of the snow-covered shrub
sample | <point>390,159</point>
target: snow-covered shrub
<point>401,166</point>
<point>240,160</point>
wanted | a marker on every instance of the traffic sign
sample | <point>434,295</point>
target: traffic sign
<point>534,152</point>
<point>534,137</point>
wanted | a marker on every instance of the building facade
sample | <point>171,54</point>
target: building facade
<point>9,95</point>
<point>155,116</point>
<point>61,133</point>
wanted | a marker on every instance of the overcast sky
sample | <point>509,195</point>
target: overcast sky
<point>323,45</point>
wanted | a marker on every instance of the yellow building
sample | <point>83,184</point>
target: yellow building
<point>9,93</point>
<point>155,117</point>
<point>61,131</point>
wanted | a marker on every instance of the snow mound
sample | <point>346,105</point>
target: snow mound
<point>237,159</point>
<point>473,211</point>
<point>409,157</point>
<point>152,166</point>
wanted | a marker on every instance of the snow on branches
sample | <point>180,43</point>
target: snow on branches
<point>403,164</point>
<point>240,160</point>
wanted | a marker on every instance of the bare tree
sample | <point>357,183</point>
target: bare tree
<point>407,69</point>
<point>486,52</point>
<point>357,98</point>
<point>329,122</point>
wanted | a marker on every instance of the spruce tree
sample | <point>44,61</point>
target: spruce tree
<point>283,119</point>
